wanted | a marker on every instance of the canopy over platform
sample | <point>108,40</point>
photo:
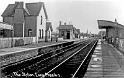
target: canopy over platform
<point>102,24</point>
<point>5,26</point>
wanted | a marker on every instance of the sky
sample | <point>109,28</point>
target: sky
<point>83,14</point>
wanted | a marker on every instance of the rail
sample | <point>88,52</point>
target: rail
<point>41,62</point>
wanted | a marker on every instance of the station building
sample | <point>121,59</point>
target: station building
<point>114,32</point>
<point>28,20</point>
<point>68,31</point>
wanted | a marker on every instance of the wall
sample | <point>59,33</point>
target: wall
<point>5,42</point>
<point>9,42</point>
<point>65,33</point>
<point>117,42</point>
<point>17,20</point>
<point>18,16</point>
<point>111,32</point>
<point>28,53</point>
<point>121,39</point>
<point>49,34</point>
<point>41,26</point>
<point>18,30</point>
<point>121,44</point>
<point>60,32</point>
<point>8,20</point>
<point>15,57</point>
<point>72,34</point>
<point>121,33</point>
<point>30,23</point>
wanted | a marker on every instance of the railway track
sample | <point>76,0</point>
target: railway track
<point>51,62</point>
<point>75,65</point>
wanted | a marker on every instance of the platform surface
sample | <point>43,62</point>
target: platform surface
<point>6,51</point>
<point>106,62</point>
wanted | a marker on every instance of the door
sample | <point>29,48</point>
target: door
<point>68,34</point>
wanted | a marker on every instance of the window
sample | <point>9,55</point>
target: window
<point>41,20</point>
<point>29,32</point>
<point>1,33</point>
<point>39,33</point>
<point>42,33</point>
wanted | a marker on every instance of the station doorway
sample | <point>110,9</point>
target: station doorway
<point>68,34</point>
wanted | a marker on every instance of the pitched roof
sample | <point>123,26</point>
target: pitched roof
<point>65,27</point>
<point>78,30</point>
<point>30,9</point>
<point>49,26</point>
<point>34,8</point>
<point>71,27</point>
<point>75,31</point>
<point>105,24</point>
<point>9,10</point>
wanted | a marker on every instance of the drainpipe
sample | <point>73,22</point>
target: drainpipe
<point>23,30</point>
<point>12,45</point>
<point>12,35</point>
<point>46,40</point>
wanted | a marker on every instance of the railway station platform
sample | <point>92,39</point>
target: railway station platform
<point>14,54</point>
<point>27,47</point>
<point>6,51</point>
<point>106,62</point>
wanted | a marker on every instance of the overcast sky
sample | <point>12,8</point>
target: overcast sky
<point>83,14</point>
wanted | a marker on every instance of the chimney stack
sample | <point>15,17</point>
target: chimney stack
<point>116,20</point>
<point>60,23</point>
<point>19,4</point>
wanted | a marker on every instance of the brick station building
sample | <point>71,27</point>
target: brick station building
<point>68,31</point>
<point>28,20</point>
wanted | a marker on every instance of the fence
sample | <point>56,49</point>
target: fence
<point>5,42</point>
<point>16,41</point>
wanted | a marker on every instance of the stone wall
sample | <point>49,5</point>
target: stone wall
<point>15,57</point>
